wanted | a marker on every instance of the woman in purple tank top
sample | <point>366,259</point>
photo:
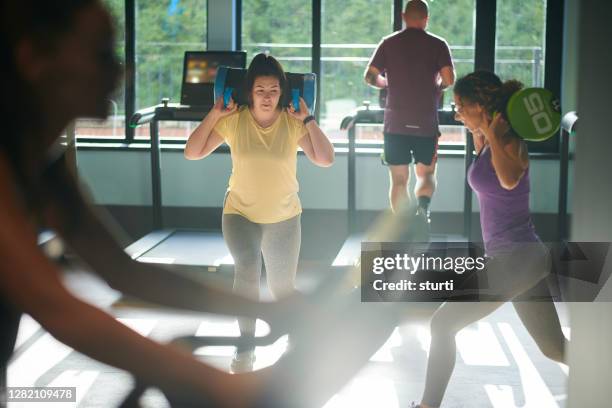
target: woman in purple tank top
<point>518,262</point>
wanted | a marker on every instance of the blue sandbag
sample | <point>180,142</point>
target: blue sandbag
<point>229,82</point>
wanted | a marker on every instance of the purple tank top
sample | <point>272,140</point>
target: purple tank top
<point>504,214</point>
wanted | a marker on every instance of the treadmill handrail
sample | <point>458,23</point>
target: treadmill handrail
<point>446,117</point>
<point>153,115</point>
<point>143,116</point>
<point>161,112</point>
<point>569,122</point>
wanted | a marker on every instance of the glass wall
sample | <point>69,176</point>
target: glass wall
<point>164,31</point>
<point>455,21</point>
<point>282,28</point>
<point>114,126</point>
<point>452,20</point>
<point>520,40</point>
<point>350,33</point>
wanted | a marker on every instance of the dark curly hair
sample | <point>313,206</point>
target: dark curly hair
<point>487,89</point>
<point>265,65</point>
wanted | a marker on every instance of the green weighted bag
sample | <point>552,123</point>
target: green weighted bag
<point>534,114</point>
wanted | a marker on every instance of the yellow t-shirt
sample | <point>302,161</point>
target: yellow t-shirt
<point>263,186</point>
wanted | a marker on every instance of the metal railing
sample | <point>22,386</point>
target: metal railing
<point>159,74</point>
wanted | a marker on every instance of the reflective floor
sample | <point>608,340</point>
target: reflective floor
<point>498,364</point>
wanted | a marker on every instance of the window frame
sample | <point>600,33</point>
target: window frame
<point>484,58</point>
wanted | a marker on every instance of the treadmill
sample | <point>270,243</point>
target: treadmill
<point>366,115</point>
<point>185,249</point>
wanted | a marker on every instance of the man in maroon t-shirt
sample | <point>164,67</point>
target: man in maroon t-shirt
<point>417,67</point>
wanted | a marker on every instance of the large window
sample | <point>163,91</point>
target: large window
<point>114,126</point>
<point>164,31</point>
<point>282,28</point>
<point>520,42</point>
<point>453,20</point>
<point>350,32</point>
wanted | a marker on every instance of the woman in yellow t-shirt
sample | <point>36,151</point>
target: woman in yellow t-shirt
<point>261,213</point>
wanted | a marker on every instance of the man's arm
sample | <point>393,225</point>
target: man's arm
<point>447,77</point>
<point>374,78</point>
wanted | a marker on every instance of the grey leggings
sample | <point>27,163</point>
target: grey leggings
<point>280,245</point>
<point>523,272</point>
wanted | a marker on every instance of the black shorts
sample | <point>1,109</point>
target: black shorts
<point>404,149</point>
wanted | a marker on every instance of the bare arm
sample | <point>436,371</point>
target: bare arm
<point>373,77</point>
<point>93,239</point>
<point>510,159</point>
<point>447,77</point>
<point>204,140</point>
<point>315,144</point>
<point>32,284</point>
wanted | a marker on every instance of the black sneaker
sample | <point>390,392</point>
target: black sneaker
<point>422,222</point>
<point>418,228</point>
<point>425,213</point>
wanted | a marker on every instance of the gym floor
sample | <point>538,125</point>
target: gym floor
<point>498,364</point>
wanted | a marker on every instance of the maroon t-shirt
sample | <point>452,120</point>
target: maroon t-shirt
<point>411,59</point>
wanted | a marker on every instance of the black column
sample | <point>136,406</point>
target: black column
<point>316,50</point>
<point>238,24</point>
<point>398,8</point>
<point>486,16</point>
<point>484,58</point>
<point>130,66</point>
<point>553,62</point>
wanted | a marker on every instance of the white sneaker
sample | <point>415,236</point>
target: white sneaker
<point>242,362</point>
